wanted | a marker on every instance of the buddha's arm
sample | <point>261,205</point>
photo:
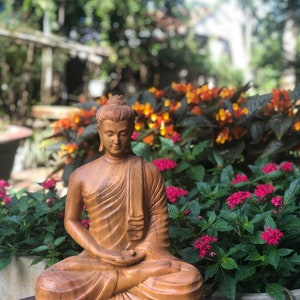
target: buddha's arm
<point>157,238</point>
<point>83,237</point>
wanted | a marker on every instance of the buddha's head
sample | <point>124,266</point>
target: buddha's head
<point>116,110</point>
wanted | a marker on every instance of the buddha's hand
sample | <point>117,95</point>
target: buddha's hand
<point>124,258</point>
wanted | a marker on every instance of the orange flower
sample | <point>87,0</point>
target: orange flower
<point>173,106</point>
<point>80,131</point>
<point>196,110</point>
<point>223,136</point>
<point>296,126</point>
<point>239,111</point>
<point>183,88</point>
<point>69,148</point>
<point>156,92</point>
<point>149,139</point>
<point>143,109</point>
<point>227,92</point>
<point>279,103</point>
<point>224,116</point>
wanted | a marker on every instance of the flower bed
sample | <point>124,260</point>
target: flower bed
<point>230,164</point>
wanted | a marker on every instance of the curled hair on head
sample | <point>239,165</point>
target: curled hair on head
<point>116,109</point>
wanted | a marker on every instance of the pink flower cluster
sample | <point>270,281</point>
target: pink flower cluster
<point>240,178</point>
<point>49,183</point>
<point>204,245</point>
<point>164,164</point>
<point>268,168</point>
<point>176,138</point>
<point>85,223</point>
<point>271,236</point>
<point>135,136</point>
<point>277,201</point>
<point>4,198</point>
<point>287,166</point>
<point>173,193</point>
<point>237,198</point>
<point>262,190</point>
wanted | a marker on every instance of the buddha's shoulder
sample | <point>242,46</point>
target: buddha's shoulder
<point>87,168</point>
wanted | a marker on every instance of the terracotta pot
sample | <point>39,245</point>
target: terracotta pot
<point>9,143</point>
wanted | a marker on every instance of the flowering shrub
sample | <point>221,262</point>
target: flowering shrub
<point>235,127</point>
<point>230,167</point>
<point>31,223</point>
<point>242,231</point>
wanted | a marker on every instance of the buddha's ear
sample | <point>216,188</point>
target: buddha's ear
<point>101,147</point>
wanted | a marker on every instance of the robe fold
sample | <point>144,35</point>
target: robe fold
<point>127,209</point>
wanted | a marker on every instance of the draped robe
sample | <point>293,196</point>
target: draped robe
<point>127,208</point>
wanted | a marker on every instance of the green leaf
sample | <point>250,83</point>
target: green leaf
<point>269,222</point>
<point>227,286</point>
<point>37,260</point>
<point>284,252</point>
<point>216,158</point>
<point>199,148</point>
<point>275,290</point>
<point>256,102</point>
<point>295,259</point>
<point>280,124</point>
<point>249,226</point>
<point>59,240</point>
<point>273,257</point>
<point>173,211</point>
<point>227,174</point>
<point>254,256</point>
<point>211,271</point>
<point>189,255</point>
<point>256,130</point>
<point>40,248</point>
<point>228,263</point>
<point>244,272</point>
<point>291,191</point>
<point>4,261</point>
<point>273,147</point>
<point>223,226</point>
<point>196,173</point>
<point>182,167</point>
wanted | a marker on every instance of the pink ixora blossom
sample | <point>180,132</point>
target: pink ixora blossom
<point>6,199</point>
<point>85,223</point>
<point>277,201</point>
<point>237,198</point>
<point>271,236</point>
<point>134,135</point>
<point>174,192</point>
<point>269,168</point>
<point>164,164</point>
<point>204,245</point>
<point>49,183</point>
<point>287,166</point>
<point>176,138</point>
<point>240,178</point>
<point>262,190</point>
<point>3,184</point>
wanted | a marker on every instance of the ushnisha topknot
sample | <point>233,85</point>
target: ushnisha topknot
<point>116,109</point>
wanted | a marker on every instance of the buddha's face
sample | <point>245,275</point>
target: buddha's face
<point>115,137</point>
